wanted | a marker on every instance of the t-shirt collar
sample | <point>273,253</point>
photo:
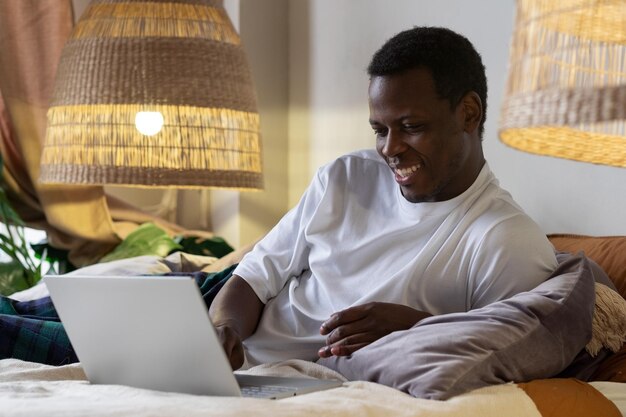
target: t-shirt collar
<point>427,209</point>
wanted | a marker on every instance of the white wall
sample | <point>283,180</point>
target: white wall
<point>244,217</point>
<point>308,59</point>
<point>331,42</point>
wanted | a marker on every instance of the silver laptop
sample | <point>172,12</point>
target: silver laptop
<point>155,333</point>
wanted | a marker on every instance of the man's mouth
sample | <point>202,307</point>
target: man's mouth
<point>405,174</point>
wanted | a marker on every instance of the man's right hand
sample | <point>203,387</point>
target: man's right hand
<point>235,313</point>
<point>231,342</point>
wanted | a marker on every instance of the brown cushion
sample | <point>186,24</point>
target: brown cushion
<point>610,253</point>
<point>568,397</point>
<point>607,251</point>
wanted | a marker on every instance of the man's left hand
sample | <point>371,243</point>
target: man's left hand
<point>353,328</point>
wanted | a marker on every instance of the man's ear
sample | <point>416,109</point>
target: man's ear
<point>473,110</point>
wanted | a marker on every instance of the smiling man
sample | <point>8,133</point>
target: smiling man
<point>434,150</point>
<point>384,238</point>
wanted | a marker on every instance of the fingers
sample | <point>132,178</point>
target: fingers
<point>347,350</point>
<point>236,357</point>
<point>349,330</point>
<point>346,346</point>
<point>344,316</point>
<point>231,343</point>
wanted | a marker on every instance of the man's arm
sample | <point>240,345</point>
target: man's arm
<point>235,313</point>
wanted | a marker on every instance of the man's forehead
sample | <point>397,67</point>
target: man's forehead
<point>419,77</point>
<point>409,85</point>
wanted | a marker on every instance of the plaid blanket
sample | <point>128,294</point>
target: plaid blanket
<point>32,330</point>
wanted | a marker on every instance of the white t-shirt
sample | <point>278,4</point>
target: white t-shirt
<point>353,238</point>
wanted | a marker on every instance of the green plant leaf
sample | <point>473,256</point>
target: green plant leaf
<point>215,246</point>
<point>7,246</point>
<point>22,271</point>
<point>12,278</point>
<point>17,251</point>
<point>147,239</point>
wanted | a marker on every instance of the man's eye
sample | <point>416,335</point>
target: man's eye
<point>380,131</point>
<point>413,128</point>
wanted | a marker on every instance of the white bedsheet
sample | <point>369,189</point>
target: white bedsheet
<point>30,389</point>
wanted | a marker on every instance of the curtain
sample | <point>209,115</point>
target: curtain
<point>81,219</point>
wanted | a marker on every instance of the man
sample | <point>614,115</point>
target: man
<point>381,240</point>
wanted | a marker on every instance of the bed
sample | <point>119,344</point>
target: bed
<point>33,389</point>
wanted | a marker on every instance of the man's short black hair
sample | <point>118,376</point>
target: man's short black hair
<point>456,67</point>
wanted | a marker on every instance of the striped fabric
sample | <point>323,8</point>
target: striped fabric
<point>32,331</point>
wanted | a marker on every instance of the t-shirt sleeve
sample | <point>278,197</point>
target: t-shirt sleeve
<point>514,256</point>
<point>283,252</point>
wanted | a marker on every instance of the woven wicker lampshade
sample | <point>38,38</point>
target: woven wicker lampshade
<point>566,92</point>
<point>153,93</point>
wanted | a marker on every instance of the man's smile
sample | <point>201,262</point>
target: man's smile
<point>404,175</point>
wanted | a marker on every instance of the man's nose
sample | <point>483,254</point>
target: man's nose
<point>394,144</point>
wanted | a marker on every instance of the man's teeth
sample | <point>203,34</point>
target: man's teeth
<point>405,172</point>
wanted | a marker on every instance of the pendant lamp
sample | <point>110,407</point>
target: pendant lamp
<point>566,91</point>
<point>153,93</point>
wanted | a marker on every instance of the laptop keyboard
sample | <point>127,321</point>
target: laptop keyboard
<point>265,391</point>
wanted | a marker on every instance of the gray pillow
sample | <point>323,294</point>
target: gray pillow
<point>535,334</point>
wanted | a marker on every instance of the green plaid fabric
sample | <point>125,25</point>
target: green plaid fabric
<point>32,331</point>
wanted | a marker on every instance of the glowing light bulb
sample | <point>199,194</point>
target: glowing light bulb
<point>149,123</point>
